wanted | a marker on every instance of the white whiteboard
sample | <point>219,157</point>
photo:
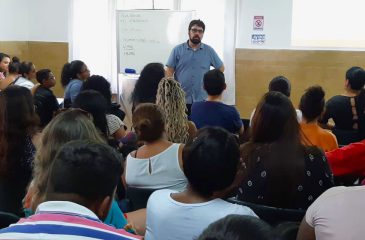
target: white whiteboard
<point>145,36</point>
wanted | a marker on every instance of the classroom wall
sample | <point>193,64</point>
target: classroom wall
<point>304,68</point>
<point>49,20</point>
<point>14,15</point>
<point>37,30</point>
<point>277,23</point>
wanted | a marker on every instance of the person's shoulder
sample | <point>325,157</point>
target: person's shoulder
<point>207,46</point>
<point>113,118</point>
<point>160,195</point>
<point>337,99</point>
<point>180,46</point>
<point>229,108</point>
<point>199,104</point>
<point>336,194</point>
<point>234,208</point>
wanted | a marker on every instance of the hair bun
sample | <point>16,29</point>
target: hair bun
<point>316,93</point>
<point>15,59</point>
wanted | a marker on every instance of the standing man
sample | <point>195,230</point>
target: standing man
<point>189,62</point>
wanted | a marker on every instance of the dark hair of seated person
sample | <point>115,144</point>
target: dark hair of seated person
<point>356,78</point>
<point>146,86</point>
<point>43,75</point>
<point>86,173</point>
<point>312,103</point>
<point>25,68</point>
<point>238,227</point>
<point>18,121</point>
<point>210,161</point>
<point>149,122</point>
<point>275,137</point>
<point>280,84</point>
<point>214,82</point>
<point>99,84</point>
<point>14,66</point>
<point>71,71</point>
<point>94,103</point>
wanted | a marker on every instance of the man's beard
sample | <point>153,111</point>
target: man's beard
<point>195,40</point>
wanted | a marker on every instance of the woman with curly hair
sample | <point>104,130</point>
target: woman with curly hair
<point>171,98</point>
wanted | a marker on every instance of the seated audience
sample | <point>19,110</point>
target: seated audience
<point>93,102</point>
<point>348,160</point>
<point>100,84</point>
<point>281,172</point>
<point>213,112</point>
<point>13,74</point>
<point>280,84</point>
<point>238,227</point>
<point>158,163</point>
<point>45,101</point>
<point>312,104</point>
<point>336,215</point>
<point>18,123</point>
<point>347,110</point>
<point>82,184</point>
<point>210,164</point>
<point>27,74</point>
<point>74,124</point>
<point>72,76</point>
<point>4,63</point>
<point>171,98</point>
<point>145,89</point>
<point>115,124</point>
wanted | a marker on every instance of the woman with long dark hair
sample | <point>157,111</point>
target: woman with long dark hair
<point>146,86</point>
<point>18,123</point>
<point>281,172</point>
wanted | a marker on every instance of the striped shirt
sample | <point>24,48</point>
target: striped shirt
<point>63,220</point>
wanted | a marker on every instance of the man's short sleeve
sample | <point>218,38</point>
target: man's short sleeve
<point>215,60</point>
<point>172,62</point>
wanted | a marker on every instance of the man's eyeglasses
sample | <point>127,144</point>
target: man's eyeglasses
<point>195,30</point>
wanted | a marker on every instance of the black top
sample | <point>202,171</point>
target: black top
<point>13,188</point>
<point>345,112</point>
<point>45,104</point>
<point>261,187</point>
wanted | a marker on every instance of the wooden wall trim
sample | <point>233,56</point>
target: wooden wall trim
<point>256,67</point>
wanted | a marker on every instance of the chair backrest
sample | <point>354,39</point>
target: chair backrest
<point>7,218</point>
<point>138,197</point>
<point>272,215</point>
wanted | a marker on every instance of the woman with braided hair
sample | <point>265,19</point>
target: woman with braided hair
<point>171,98</point>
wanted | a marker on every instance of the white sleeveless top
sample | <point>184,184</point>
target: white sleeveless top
<point>157,172</point>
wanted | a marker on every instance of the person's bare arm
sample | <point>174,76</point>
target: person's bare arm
<point>169,72</point>
<point>305,231</point>
<point>192,130</point>
<point>120,133</point>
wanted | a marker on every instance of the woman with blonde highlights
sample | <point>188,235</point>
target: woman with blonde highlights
<point>171,98</point>
<point>70,125</point>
